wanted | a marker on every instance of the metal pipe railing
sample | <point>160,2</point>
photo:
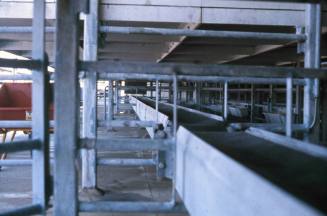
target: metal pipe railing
<point>277,37</point>
<point>198,70</point>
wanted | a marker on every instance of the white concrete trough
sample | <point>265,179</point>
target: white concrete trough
<point>147,113</point>
<point>213,182</point>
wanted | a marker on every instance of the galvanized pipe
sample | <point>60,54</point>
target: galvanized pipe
<point>200,78</point>
<point>13,162</point>
<point>19,124</point>
<point>16,77</point>
<point>205,33</point>
<point>289,106</point>
<point>157,100</point>
<point>17,63</point>
<point>175,106</point>
<point>25,210</point>
<point>16,146</point>
<point>278,37</point>
<point>129,68</point>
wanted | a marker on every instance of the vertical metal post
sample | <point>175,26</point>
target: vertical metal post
<point>289,106</point>
<point>157,100</point>
<point>312,60</point>
<point>117,96</point>
<point>67,101</point>
<point>151,92</point>
<point>110,101</point>
<point>225,101</point>
<point>175,106</point>
<point>297,102</point>
<point>252,102</point>
<point>159,90</point>
<point>106,91</point>
<point>90,97</point>
<point>40,111</point>
<point>197,94</point>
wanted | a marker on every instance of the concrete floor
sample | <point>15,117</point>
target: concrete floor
<point>118,183</point>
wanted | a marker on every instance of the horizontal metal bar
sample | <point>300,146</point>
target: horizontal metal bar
<point>213,79</point>
<point>205,33</point>
<point>16,77</point>
<point>124,76</point>
<point>298,145</point>
<point>126,162</point>
<point>23,211</point>
<point>19,124</point>
<point>166,70</point>
<point>131,207</point>
<point>17,63</point>
<point>127,144</point>
<point>23,29</point>
<point>19,162</point>
<point>126,123</point>
<point>14,195</point>
<point>278,37</point>
<point>12,162</point>
<point>20,146</point>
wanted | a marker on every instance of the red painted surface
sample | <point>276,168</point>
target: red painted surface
<point>15,101</point>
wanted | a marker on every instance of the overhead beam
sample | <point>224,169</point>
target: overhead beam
<point>289,14</point>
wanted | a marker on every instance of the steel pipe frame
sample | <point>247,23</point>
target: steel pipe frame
<point>153,77</point>
<point>18,162</point>
<point>204,33</point>
<point>17,63</point>
<point>277,37</point>
<point>204,70</point>
<point>289,107</point>
<point>312,60</point>
<point>17,146</point>
<point>16,77</point>
<point>19,124</point>
<point>12,162</point>
<point>25,210</point>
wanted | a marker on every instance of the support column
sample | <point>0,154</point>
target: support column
<point>40,112</point>
<point>312,60</point>
<point>67,100</point>
<point>89,174</point>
